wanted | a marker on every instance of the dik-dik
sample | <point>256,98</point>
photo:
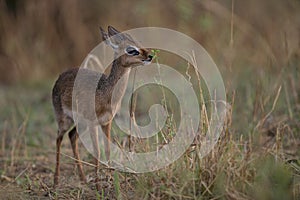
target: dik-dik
<point>127,54</point>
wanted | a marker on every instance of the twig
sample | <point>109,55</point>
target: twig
<point>19,175</point>
<point>132,110</point>
<point>272,109</point>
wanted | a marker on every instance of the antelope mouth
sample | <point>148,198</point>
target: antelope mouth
<point>148,60</point>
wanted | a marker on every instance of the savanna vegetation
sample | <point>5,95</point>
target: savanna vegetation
<point>256,46</point>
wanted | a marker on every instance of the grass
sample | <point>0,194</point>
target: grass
<point>257,52</point>
<point>261,163</point>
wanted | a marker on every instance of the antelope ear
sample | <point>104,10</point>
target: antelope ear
<point>112,31</point>
<point>116,36</point>
<point>107,39</point>
<point>104,35</point>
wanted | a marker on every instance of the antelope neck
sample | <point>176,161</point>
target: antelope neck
<point>117,71</point>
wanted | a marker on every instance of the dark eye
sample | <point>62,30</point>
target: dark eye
<point>132,51</point>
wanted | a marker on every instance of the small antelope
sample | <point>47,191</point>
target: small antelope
<point>132,54</point>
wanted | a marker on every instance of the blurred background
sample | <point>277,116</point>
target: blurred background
<point>41,38</point>
<point>255,44</point>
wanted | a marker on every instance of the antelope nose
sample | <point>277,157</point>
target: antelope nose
<point>150,57</point>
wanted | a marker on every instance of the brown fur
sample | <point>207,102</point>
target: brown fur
<point>63,97</point>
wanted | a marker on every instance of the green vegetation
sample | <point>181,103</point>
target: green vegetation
<point>256,49</point>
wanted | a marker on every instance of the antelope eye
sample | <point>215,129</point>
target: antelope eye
<point>132,51</point>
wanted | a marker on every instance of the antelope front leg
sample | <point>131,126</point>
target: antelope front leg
<point>106,129</point>
<point>95,141</point>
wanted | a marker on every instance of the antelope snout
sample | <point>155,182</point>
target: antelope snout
<point>149,57</point>
<point>148,60</point>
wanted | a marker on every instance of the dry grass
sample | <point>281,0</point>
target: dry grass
<point>254,43</point>
<point>260,164</point>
